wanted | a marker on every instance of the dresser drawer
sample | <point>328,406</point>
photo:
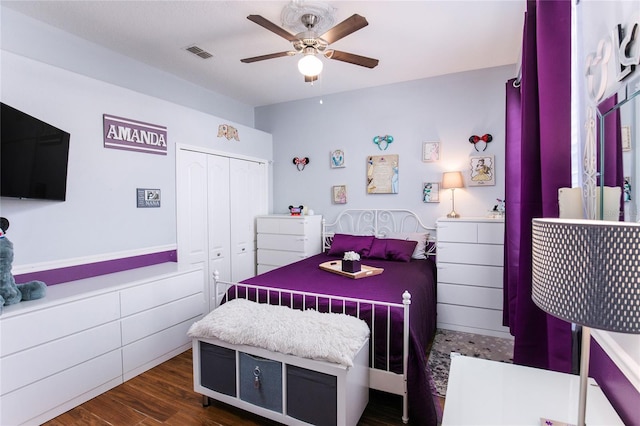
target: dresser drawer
<point>470,317</point>
<point>481,297</point>
<point>157,293</point>
<point>25,331</point>
<point>145,352</point>
<point>286,242</point>
<point>50,358</point>
<point>473,275</point>
<point>459,232</point>
<point>491,233</point>
<point>471,254</point>
<point>65,387</point>
<point>278,257</point>
<point>287,225</point>
<point>145,323</point>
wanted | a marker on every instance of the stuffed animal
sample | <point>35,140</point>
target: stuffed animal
<point>10,292</point>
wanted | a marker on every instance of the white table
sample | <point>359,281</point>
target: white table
<point>482,392</point>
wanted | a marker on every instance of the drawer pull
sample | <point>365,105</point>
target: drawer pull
<point>256,375</point>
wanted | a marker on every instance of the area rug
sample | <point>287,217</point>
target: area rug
<point>447,342</point>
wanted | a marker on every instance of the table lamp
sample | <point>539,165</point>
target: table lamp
<point>452,180</point>
<point>587,272</point>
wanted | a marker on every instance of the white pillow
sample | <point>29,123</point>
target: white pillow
<point>420,237</point>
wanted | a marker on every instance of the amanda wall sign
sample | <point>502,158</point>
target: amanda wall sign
<point>482,171</point>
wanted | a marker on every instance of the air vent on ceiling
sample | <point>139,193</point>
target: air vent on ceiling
<point>199,52</point>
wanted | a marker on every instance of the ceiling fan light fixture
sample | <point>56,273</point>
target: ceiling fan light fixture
<point>310,65</point>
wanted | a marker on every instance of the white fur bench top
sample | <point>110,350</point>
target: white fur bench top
<point>328,337</point>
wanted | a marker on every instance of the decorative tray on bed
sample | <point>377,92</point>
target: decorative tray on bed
<point>335,266</point>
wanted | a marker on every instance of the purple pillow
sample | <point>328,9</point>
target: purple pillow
<point>399,249</point>
<point>358,243</point>
<point>378,249</point>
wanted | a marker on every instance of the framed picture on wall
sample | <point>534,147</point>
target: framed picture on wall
<point>482,171</point>
<point>430,152</point>
<point>625,133</point>
<point>431,192</point>
<point>337,159</point>
<point>382,174</point>
<point>340,194</point>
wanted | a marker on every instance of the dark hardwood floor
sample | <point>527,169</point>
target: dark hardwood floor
<point>165,395</point>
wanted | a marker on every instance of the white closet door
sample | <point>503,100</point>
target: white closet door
<point>219,217</point>
<point>248,199</point>
<point>191,214</point>
<point>191,211</point>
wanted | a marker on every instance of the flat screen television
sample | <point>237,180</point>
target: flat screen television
<point>33,157</point>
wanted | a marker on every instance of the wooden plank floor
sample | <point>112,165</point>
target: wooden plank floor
<point>165,395</point>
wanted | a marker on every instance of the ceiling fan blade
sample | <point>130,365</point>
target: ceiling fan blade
<point>265,23</point>
<point>263,57</point>
<point>363,61</point>
<point>310,79</point>
<point>344,28</point>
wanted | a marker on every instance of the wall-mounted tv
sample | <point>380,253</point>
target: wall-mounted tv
<point>33,157</point>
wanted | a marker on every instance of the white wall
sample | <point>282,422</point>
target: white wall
<point>99,217</point>
<point>28,37</point>
<point>448,109</point>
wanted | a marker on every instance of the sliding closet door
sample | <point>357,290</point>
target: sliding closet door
<point>191,187</point>
<point>218,215</point>
<point>218,199</point>
<point>248,199</point>
<point>191,211</point>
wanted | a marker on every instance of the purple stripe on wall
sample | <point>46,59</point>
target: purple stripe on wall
<point>619,390</point>
<point>72,273</point>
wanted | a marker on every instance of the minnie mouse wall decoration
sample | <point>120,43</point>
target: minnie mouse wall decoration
<point>383,141</point>
<point>477,139</point>
<point>300,162</point>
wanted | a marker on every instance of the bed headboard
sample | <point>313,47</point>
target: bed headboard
<point>377,222</point>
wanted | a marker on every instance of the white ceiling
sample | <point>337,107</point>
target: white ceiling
<point>412,40</point>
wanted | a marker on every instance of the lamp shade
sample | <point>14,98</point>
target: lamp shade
<point>588,272</point>
<point>452,180</point>
<point>310,65</point>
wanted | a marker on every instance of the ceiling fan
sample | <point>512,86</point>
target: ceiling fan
<point>309,43</point>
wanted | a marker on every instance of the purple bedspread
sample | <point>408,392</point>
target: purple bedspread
<point>417,277</point>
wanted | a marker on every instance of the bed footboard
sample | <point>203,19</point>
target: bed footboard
<point>379,316</point>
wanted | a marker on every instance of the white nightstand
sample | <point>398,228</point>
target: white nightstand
<point>470,268</point>
<point>482,392</point>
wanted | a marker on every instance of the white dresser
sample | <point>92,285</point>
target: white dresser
<point>470,266</point>
<point>88,336</point>
<point>284,239</point>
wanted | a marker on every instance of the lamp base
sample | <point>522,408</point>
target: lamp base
<point>453,215</point>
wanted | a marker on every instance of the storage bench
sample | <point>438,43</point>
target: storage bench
<point>285,388</point>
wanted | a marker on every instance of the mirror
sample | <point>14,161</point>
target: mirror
<point>627,112</point>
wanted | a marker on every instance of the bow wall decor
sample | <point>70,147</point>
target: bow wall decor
<point>477,139</point>
<point>383,141</point>
<point>229,132</point>
<point>300,162</point>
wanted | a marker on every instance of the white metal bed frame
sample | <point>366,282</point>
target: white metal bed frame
<point>379,223</point>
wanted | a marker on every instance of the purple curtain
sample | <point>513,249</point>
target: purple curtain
<point>538,155</point>
<point>613,169</point>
